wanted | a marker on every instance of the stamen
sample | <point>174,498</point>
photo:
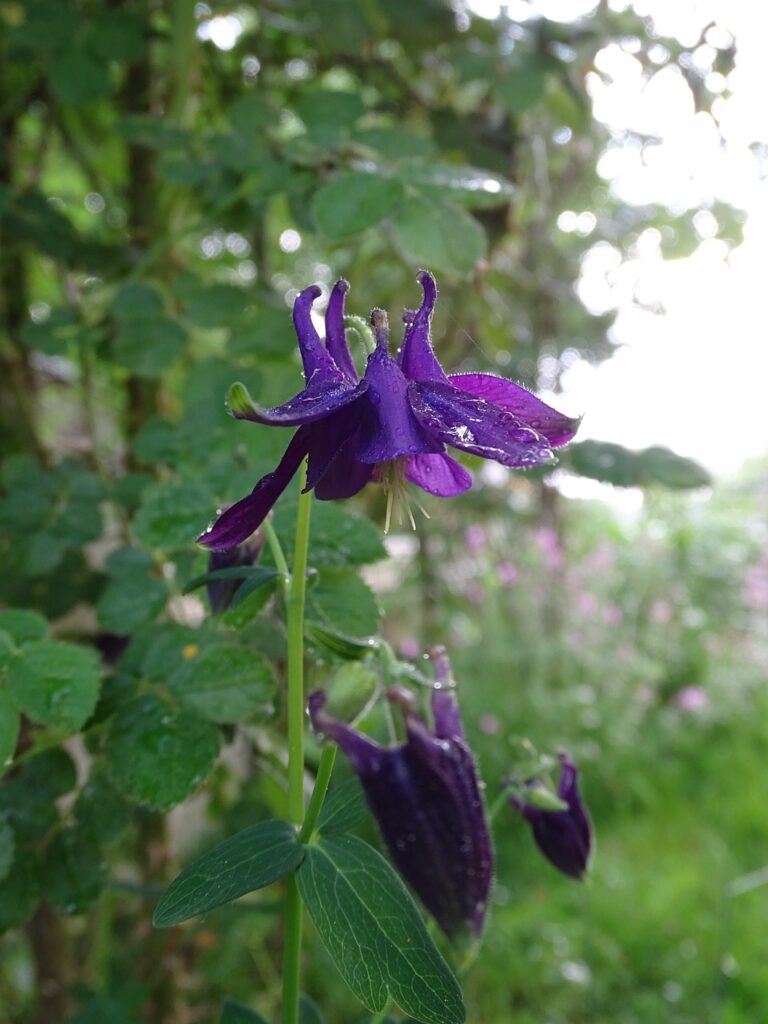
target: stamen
<point>393,480</point>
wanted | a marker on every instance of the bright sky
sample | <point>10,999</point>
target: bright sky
<point>693,376</point>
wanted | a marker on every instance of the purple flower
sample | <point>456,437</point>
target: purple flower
<point>394,424</point>
<point>564,837</point>
<point>221,592</point>
<point>426,799</point>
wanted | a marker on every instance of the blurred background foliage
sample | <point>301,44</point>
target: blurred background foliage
<point>170,175</point>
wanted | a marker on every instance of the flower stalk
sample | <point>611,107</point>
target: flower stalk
<point>295,597</point>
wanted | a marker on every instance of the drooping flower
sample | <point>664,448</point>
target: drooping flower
<point>393,425</point>
<point>563,836</point>
<point>220,592</point>
<point>426,799</point>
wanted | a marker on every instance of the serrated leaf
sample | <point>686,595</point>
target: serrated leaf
<point>470,186</point>
<point>341,601</point>
<point>236,1013</point>
<point>55,683</point>
<point>72,872</point>
<point>172,515</point>
<point>338,538</point>
<point>149,347</point>
<point>374,933</point>
<point>344,809</point>
<point>440,235</point>
<point>218,305</point>
<point>354,201</point>
<point>129,601</point>
<point>159,756</point>
<point>101,811</point>
<point>10,720</point>
<point>24,626</point>
<point>7,848</point>
<point>250,860</point>
<point>137,301</point>
<point>19,893</point>
<point>225,683</point>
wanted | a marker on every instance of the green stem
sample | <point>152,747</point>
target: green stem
<point>382,1015</point>
<point>295,595</point>
<point>322,779</point>
<point>501,801</point>
<point>277,550</point>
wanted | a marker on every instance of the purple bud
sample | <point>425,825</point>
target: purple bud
<point>221,592</point>
<point>426,799</point>
<point>564,837</point>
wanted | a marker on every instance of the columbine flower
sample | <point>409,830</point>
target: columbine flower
<point>394,424</point>
<point>426,799</point>
<point>565,836</point>
<point>221,592</point>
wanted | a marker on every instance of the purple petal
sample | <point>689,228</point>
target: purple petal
<point>319,367</point>
<point>417,359</point>
<point>239,522</point>
<point>315,402</point>
<point>476,426</point>
<point>568,790</point>
<point>438,474</point>
<point>334,470</point>
<point>335,336</point>
<point>551,424</point>
<point>390,429</point>
<point>445,705</point>
<point>365,755</point>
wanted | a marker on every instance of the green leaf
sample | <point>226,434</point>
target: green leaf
<point>344,809</point>
<point>662,466</point>
<point>100,810</point>
<point>10,719</point>
<point>374,933</point>
<point>149,347</point>
<point>342,602</point>
<point>257,574</point>
<point>23,625</point>
<point>77,78</point>
<point>623,467</point>
<point>338,539</point>
<point>218,305</point>
<point>470,186</point>
<point>521,88</point>
<point>55,683</point>
<point>354,201</point>
<point>118,35</point>
<point>225,683</point>
<point>157,755</point>
<point>7,848</point>
<point>172,515</point>
<point>250,860</point>
<point>19,893</point>
<point>73,871</point>
<point>137,301</point>
<point>309,1012</point>
<point>344,647</point>
<point>440,235</point>
<point>237,1013</point>
<point>135,594</point>
<point>158,440</point>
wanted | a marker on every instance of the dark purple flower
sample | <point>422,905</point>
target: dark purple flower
<point>426,799</point>
<point>394,424</point>
<point>564,837</point>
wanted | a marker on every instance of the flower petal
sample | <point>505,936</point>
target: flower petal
<point>239,522</point>
<point>476,426</point>
<point>417,359</point>
<point>390,429</point>
<point>335,336</point>
<point>364,754</point>
<point>551,424</point>
<point>315,402</point>
<point>334,470</point>
<point>319,366</point>
<point>438,474</point>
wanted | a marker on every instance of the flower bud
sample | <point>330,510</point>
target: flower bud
<point>425,797</point>
<point>563,836</point>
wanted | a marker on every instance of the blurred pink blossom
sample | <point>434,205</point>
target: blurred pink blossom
<point>586,602</point>
<point>661,611</point>
<point>475,592</point>
<point>409,647</point>
<point>489,724</point>
<point>755,590</point>
<point>475,538</point>
<point>613,615</point>
<point>548,544</point>
<point>508,573</point>
<point>692,698</point>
